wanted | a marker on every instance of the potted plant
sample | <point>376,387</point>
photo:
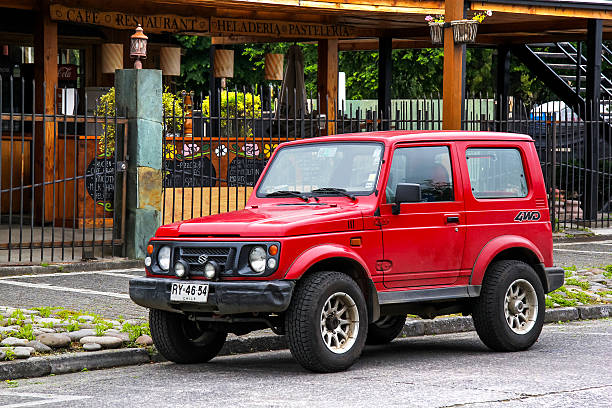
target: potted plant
<point>464,31</point>
<point>436,29</point>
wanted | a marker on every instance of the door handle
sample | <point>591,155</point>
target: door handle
<point>452,219</point>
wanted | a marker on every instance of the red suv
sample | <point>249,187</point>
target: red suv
<point>345,235</point>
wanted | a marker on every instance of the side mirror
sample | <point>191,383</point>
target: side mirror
<point>406,193</point>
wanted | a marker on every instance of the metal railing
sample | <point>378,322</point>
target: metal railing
<point>59,176</point>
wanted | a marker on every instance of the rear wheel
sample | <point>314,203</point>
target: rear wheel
<point>509,314</point>
<point>183,341</point>
<point>385,329</point>
<point>326,323</point>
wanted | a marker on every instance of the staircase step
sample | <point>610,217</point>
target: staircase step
<point>548,54</point>
<point>572,77</point>
<point>563,66</point>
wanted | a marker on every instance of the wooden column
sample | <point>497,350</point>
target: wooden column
<point>328,82</point>
<point>454,68</point>
<point>45,58</point>
<point>385,68</point>
<point>503,87</point>
<point>593,95</point>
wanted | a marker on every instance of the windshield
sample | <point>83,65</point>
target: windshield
<point>319,168</point>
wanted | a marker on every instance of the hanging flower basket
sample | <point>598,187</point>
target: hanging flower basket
<point>464,31</point>
<point>436,30</point>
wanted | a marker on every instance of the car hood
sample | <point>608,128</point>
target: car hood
<point>270,221</point>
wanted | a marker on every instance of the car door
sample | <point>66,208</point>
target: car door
<point>423,244</point>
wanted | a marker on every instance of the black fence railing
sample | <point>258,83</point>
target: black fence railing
<point>213,158</point>
<point>59,173</point>
<point>60,170</point>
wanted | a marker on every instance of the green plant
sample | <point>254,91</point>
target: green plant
<point>18,315</point>
<point>68,314</point>
<point>608,271</point>
<point>25,332</point>
<point>173,112</point>
<point>47,325</point>
<point>136,330</point>
<point>102,327</point>
<point>73,326</point>
<point>12,383</point>
<point>575,282</point>
<point>478,16</point>
<point>9,355</point>
<point>245,106</point>
<point>45,311</point>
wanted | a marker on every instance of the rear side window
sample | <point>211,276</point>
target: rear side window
<point>496,173</point>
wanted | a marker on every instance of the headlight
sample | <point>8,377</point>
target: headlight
<point>180,269</point>
<point>257,259</point>
<point>163,258</point>
<point>211,269</point>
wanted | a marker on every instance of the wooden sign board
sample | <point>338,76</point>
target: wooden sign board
<point>122,21</point>
<point>278,29</point>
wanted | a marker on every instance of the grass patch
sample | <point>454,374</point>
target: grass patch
<point>46,311</point>
<point>575,282</point>
<point>136,330</point>
<point>73,326</point>
<point>9,354</point>
<point>25,332</point>
<point>608,271</point>
<point>570,299</point>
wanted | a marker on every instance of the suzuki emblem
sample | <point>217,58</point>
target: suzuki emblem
<point>202,259</point>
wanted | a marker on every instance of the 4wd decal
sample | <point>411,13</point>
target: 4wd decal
<point>527,216</point>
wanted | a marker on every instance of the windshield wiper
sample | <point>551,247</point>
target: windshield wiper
<point>284,193</point>
<point>333,190</point>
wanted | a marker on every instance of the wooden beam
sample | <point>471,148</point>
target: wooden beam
<point>327,81</point>
<point>45,58</point>
<point>454,65</point>
<point>541,11</point>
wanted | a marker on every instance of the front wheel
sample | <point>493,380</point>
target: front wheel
<point>509,314</point>
<point>183,341</point>
<point>327,322</point>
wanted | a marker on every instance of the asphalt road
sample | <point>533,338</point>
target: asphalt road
<point>568,367</point>
<point>106,292</point>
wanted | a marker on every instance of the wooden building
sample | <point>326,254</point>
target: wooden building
<point>76,45</point>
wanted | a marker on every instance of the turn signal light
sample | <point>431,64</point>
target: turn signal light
<point>273,250</point>
<point>356,241</point>
<point>150,249</point>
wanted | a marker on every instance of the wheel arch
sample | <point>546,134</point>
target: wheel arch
<point>508,247</point>
<point>338,259</point>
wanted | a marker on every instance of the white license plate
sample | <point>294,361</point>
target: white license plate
<point>189,292</point>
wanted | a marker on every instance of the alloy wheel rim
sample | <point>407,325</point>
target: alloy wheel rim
<point>339,323</point>
<point>521,306</point>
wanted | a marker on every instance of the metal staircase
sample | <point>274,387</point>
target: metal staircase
<point>569,63</point>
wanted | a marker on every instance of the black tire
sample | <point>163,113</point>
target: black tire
<point>489,312</point>
<point>183,341</point>
<point>385,329</point>
<point>305,330</point>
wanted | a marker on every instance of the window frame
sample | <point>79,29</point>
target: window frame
<point>525,168</point>
<point>455,180</point>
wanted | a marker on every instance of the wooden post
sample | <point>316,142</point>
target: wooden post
<point>328,82</point>
<point>385,68</point>
<point>454,68</point>
<point>45,58</point>
<point>593,94</point>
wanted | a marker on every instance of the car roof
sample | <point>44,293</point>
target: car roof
<point>397,136</point>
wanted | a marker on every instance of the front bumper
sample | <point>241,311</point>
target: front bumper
<point>223,298</point>
<point>555,277</point>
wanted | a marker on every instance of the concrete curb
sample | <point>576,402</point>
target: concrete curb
<point>74,362</point>
<point>101,265</point>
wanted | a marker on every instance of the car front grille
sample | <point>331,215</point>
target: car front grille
<point>223,256</point>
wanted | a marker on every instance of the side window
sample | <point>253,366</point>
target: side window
<point>429,166</point>
<point>496,173</point>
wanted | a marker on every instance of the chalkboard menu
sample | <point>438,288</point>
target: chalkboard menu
<point>190,173</point>
<point>100,180</point>
<point>244,172</point>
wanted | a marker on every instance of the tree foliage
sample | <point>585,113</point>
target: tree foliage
<point>417,73</point>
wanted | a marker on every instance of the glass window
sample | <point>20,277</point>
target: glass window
<point>496,173</point>
<point>429,166</point>
<point>352,167</point>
